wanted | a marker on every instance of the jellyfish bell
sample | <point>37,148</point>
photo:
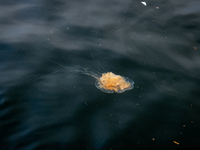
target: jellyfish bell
<point>110,83</point>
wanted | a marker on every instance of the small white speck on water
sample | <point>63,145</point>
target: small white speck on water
<point>144,3</point>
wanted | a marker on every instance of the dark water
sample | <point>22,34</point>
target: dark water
<point>46,103</point>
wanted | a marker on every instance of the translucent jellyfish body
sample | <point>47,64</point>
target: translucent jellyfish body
<point>107,82</point>
<point>110,83</point>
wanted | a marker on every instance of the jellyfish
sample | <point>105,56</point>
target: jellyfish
<point>108,82</point>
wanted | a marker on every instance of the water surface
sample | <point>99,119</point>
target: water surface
<point>45,103</point>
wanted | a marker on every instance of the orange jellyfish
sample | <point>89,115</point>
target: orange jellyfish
<point>108,82</point>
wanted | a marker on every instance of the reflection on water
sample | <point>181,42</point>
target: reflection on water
<point>45,103</point>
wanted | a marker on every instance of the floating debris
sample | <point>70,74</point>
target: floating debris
<point>195,48</point>
<point>177,143</point>
<point>144,3</point>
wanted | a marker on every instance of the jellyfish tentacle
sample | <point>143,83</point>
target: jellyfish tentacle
<point>99,66</point>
